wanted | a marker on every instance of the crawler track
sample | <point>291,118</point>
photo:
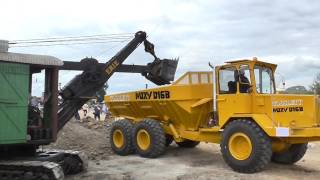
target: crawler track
<point>30,170</point>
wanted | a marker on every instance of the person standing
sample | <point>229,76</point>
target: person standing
<point>85,108</point>
<point>34,102</point>
<point>77,116</point>
<point>97,112</point>
<point>104,109</point>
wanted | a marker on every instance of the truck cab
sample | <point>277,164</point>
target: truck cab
<point>246,89</point>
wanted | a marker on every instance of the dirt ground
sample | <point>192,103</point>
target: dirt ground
<point>88,136</point>
<point>202,162</point>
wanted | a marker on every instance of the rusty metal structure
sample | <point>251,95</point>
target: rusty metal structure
<point>24,128</point>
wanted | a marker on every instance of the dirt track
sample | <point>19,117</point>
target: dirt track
<point>202,162</point>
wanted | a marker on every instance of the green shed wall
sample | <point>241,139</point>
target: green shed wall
<point>14,85</point>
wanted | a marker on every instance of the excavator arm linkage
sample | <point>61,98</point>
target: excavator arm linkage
<point>85,85</point>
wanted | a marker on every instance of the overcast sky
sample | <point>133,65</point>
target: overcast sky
<point>279,31</point>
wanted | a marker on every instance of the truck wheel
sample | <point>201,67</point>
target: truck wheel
<point>188,143</point>
<point>121,137</point>
<point>245,146</point>
<point>292,155</point>
<point>149,138</point>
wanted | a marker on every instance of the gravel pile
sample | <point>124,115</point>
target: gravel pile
<point>89,137</point>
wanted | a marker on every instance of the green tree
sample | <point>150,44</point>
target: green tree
<point>296,90</point>
<point>315,87</point>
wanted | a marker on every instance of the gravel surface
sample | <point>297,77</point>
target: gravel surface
<point>203,162</point>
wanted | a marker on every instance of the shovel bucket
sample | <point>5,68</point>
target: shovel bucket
<point>162,72</point>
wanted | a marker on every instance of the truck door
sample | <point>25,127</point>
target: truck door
<point>233,92</point>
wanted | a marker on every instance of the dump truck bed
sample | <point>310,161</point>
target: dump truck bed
<point>187,103</point>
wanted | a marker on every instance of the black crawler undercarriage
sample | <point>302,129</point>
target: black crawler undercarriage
<point>43,165</point>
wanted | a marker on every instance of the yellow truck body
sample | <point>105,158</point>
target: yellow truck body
<point>188,110</point>
<point>187,105</point>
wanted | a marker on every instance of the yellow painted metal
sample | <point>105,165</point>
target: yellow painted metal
<point>187,105</point>
<point>174,131</point>
<point>118,138</point>
<point>299,140</point>
<point>279,146</point>
<point>173,101</point>
<point>143,139</point>
<point>240,146</point>
<point>203,136</point>
<point>317,102</point>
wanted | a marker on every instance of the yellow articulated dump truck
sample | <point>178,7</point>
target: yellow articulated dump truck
<point>236,106</point>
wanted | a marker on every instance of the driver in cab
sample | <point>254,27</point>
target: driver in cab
<point>244,83</point>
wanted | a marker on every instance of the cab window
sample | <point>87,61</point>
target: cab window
<point>264,80</point>
<point>227,80</point>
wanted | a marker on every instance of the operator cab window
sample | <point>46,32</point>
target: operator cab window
<point>227,80</point>
<point>264,80</point>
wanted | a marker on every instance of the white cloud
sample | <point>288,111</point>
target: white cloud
<point>196,31</point>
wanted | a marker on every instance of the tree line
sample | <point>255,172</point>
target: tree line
<point>314,88</point>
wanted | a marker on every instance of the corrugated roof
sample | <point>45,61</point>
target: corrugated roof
<point>30,59</point>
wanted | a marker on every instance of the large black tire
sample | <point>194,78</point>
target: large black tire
<point>294,153</point>
<point>188,143</point>
<point>151,132</point>
<point>121,137</point>
<point>260,149</point>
